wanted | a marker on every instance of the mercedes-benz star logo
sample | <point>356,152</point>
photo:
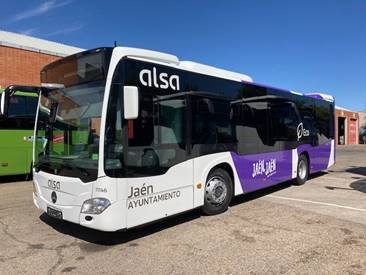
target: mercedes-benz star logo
<point>54,197</point>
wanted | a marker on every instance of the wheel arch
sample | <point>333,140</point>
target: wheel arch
<point>306,154</point>
<point>227,167</point>
<point>202,168</point>
<point>301,179</point>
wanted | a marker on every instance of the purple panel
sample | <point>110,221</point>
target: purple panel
<point>320,96</point>
<point>262,170</point>
<point>319,155</point>
<point>314,96</point>
<point>259,171</point>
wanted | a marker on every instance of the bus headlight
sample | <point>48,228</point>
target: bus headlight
<point>95,206</point>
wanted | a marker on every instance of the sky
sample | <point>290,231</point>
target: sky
<point>304,46</point>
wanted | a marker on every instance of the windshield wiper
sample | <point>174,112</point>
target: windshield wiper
<point>69,157</point>
<point>84,172</point>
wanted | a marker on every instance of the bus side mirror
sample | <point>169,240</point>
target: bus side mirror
<point>131,102</point>
<point>53,112</point>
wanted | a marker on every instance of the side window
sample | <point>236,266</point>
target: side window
<point>17,106</point>
<point>156,139</point>
<point>252,131</point>
<point>309,125</point>
<point>32,103</point>
<point>204,124</point>
<point>18,115</point>
<point>212,128</point>
<point>331,121</point>
<point>285,121</point>
<point>141,130</point>
<point>160,122</point>
<point>169,122</point>
<point>260,111</point>
<point>224,128</point>
<point>113,142</point>
<point>324,121</point>
<point>245,128</point>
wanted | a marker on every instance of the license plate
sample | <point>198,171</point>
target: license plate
<point>54,213</point>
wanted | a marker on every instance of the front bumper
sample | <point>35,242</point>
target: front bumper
<point>112,218</point>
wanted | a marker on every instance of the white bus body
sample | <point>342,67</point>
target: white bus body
<point>77,180</point>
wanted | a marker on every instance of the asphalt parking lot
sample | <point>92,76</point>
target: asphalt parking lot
<point>317,228</point>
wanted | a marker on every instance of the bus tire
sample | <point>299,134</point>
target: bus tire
<point>218,192</point>
<point>302,170</point>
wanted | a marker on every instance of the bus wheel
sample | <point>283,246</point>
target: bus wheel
<point>302,170</point>
<point>218,192</point>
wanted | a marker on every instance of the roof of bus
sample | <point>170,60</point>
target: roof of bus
<point>194,67</point>
<point>165,58</point>
<point>321,96</point>
<point>22,93</point>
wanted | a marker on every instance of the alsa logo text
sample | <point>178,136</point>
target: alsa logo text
<point>54,184</point>
<point>162,80</point>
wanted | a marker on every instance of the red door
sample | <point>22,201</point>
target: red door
<point>352,131</point>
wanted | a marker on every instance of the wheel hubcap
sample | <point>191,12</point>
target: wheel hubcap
<point>216,190</point>
<point>302,169</point>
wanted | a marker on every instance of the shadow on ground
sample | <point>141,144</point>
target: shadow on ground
<point>353,170</point>
<point>359,185</point>
<point>357,170</point>
<point>95,237</point>
<point>318,174</point>
<point>119,237</point>
<point>10,179</point>
<point>260,193</point>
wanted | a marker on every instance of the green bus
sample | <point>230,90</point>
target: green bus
<point>16,132</point>
<point>17,118</point>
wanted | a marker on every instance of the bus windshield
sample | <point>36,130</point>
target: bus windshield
<point>69,116</point>
<point>68,145</point>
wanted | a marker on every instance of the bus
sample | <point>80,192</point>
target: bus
<point>127,136</point>
<point>16,132</point>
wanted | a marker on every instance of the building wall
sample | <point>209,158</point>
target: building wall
<point>22,67</point>
<point>362,124</point>
<point>362,117</point>
<point>351,126</point>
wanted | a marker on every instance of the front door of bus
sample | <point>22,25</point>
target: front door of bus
<point>161,178</point>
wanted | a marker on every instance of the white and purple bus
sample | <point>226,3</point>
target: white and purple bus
<point>132,136</point>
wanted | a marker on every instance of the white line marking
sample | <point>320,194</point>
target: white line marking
<point>317,202</point>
